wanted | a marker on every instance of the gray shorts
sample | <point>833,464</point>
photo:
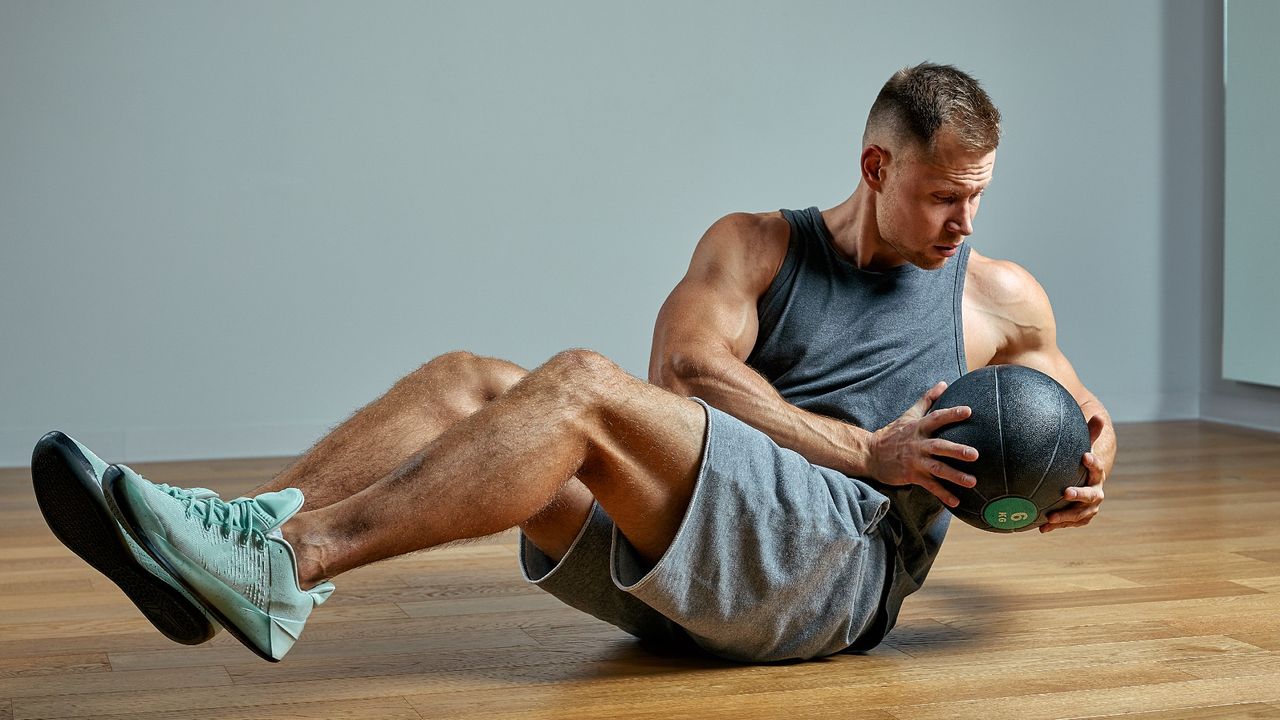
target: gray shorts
<point>776,558</point>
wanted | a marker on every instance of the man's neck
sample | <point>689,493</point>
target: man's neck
<point>856,235</point>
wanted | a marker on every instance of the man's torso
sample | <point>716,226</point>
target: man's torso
<point>986,331</point>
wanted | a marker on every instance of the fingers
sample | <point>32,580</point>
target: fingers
<point>1085,503</point>
<point>1093,464</point>
<point>1050,527</point>
<point>1088,494</point>
<point>944,416</point>
<point>926,401</point>
<point>939,474</point>
<point>1087,499</point>
<point>939,491</point>
<point>943,471</point>
<point>1072,516</point>
<point>946,448</point>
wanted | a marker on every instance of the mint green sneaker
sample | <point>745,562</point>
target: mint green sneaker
<point>67,479</point>
<point>230,556</point>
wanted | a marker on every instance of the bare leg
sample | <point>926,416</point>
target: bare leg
<point>636,447</point>
<point>384,434</point>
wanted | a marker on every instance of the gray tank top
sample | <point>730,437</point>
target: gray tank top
<point>862,347</point>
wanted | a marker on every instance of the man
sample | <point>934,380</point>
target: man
<point>785,514</point>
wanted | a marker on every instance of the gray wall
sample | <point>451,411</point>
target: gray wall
<point>224,226</point>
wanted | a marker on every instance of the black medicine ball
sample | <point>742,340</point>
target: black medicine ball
<point>1030,436</point>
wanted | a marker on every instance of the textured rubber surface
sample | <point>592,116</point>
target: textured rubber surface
<point>1030,435</point>
<point>72,502</point>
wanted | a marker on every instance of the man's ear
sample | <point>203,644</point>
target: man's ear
<point>875,160</point>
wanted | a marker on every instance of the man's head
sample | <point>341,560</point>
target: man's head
<point>927,154</point>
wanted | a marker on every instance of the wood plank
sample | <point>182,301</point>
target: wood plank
<point>1244,711</point>
<point>671,695</point>
<point>919,639</point>
<point>1193,616</point>
<point>94,683</point>
<point>47,588</point>
<point>388,708</point>
<point>1266,640</point>
<point>62,665</point>
<point>1092,702</point>
<point>1269,584</point>
<point>985,601</point>
<point>480,605</point>
<point>1271,556</point>
<point>806,706</point>
<point>230,653</point>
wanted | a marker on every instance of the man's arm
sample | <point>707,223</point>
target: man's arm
<point>1018,303</point>
<point>707,328</point>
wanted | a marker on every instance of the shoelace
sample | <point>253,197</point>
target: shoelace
<point>235,517</point>
<point>198,493</point>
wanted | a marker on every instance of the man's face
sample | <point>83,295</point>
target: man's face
<point>929,200</point>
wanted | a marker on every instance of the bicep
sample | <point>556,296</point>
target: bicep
<point>712,311</point>
<point>1034,341</point>
<point>704,310</point>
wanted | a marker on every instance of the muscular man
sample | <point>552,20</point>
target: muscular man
<point>786,512</point>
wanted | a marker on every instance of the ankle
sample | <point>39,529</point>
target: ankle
<point>309,549</point>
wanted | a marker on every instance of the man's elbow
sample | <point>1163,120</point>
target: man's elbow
<point>679,371</point>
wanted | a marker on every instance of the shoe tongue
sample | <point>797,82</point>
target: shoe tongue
<point>273,509</point>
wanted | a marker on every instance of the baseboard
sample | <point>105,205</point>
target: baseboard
<point>1151,407</point>
<point>1257,413</point>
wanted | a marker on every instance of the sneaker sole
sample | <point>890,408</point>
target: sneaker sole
<point>76,511</point>
<point>129,522</point>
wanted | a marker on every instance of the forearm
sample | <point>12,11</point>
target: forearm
<point>731,386</point>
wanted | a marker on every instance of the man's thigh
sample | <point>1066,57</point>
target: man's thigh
<point>643,449</point>
<point>641,460</point>
<point>645,463</point>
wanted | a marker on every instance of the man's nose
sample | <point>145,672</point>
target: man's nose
<point>962,222</point>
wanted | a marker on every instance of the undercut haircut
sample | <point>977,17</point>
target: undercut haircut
<point>917,102</point>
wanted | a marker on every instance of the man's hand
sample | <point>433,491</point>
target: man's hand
<point>904,452</point>
<point>1085,500</point>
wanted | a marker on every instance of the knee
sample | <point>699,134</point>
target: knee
<point>580,379</point>
<point>458,365</point>
<point>466,376</point>
<point>585,367</point>
<point>455,359</point>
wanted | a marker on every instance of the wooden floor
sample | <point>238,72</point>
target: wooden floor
<point>1168,606</point>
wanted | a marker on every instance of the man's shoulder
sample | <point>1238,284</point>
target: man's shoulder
<point>1001,282</point>
<point>754,244</point>
<point>752,228</point>
<point>1006,298</point>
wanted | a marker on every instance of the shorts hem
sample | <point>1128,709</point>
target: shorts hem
<point>620,545</point>
<point>529,553</point>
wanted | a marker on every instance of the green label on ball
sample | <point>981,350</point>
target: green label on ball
<point>1010,513</point>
